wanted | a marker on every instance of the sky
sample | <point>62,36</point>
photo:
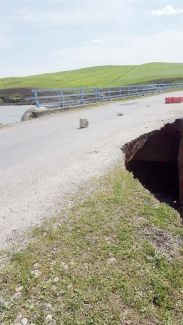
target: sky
<point>38,36</point>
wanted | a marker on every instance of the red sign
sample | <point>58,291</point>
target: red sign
<point>173,100</point>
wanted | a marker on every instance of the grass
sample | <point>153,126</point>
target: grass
<point>103,265</point>
<point>100,76</point>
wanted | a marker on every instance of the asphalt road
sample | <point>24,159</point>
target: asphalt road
<point>45,160</point>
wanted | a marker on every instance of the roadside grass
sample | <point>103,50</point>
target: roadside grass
<point>101,263</point>
<point>3,126</point>
<point>103,76</point>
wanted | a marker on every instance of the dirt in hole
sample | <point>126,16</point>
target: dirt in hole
<point>153,159</point>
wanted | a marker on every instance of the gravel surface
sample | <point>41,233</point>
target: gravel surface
<point>44,161</point>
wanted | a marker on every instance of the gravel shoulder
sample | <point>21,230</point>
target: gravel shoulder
<point>43,162</point>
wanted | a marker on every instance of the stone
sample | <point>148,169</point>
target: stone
<point>70,287</point>
<point>111,261</point>
<point>19,289</point>
<point>65,267</point>
<point>17,296</point>
<point>54,288</point>
<point>28,115</point>
<point>49,306</point>
<point>19,317</point>
<point>36,273</point>
<point>56,279</point>
<point>84,123</point>
<point>109,239</point>
<point>36,266</point>
<point>48,319</point>
<point>120,114</point>
<point>72,264</point>
<point>24,321</point>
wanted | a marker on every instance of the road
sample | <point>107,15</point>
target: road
<point>45,160</point>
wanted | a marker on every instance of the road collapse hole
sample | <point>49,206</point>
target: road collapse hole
<point>154,159</point>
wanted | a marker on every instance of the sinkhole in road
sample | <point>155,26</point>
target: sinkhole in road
<point>156,160</point>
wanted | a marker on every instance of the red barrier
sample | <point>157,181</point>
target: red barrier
<point>173,100</point>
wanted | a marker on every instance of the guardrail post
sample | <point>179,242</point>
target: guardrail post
<point>109,94</point>
<point>96,95</point>
<point>128,92</point>
<point>35,92</point>
<point>62,97</point>
<point>81,96</point>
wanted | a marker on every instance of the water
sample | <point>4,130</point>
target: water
<point>12,114</point>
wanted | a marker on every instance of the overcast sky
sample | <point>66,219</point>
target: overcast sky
<point>38,36</point>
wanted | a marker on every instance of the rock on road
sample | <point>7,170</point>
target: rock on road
<point>43,160</point>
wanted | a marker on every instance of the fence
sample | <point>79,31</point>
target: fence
<point>66,97</point>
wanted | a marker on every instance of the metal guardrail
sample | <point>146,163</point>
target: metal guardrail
<point>67,97</point>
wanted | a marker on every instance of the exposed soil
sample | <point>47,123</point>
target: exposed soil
<point>164,243</point>
<point>153,159</point>
<point>14,96</point>
<point>12,91</point>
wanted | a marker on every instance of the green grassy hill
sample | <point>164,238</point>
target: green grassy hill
<point>100,76</point>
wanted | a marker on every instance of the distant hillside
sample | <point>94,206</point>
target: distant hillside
<point>100,76</point>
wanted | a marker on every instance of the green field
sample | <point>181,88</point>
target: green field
<point>100,76</point>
